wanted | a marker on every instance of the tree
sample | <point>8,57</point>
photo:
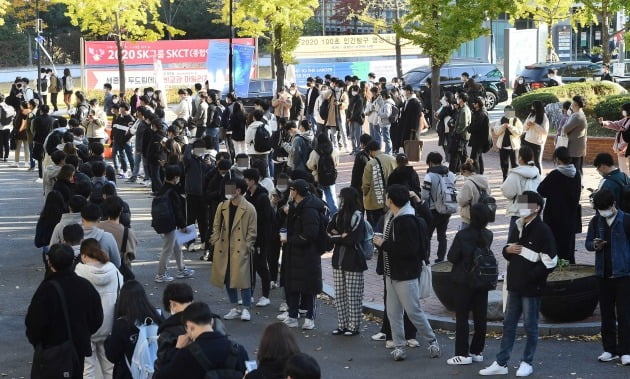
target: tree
<point>312,27</point>
<point>594,12</point>
<point>548,12</point>
<point>193,17</point>
<point>120,19</point>
<point>439,27</point>
<point>280,20</point>
<point>348,10</point>
<point>4,4</point>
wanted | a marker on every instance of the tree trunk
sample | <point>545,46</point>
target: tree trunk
<point>121,58</point>
<point>549,43</point>
<point>605,23</point>
<point>435,90</point>
<point>277,53</point>
<point>399,71</point>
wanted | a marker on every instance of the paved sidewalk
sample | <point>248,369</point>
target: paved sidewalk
<point>373,295</point>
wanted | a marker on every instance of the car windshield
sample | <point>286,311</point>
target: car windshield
<point>255,86</point>
<point>533,73</point>
<point>414,77</point>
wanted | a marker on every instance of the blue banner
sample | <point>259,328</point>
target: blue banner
<point>242,68</point>
<point>218,60</point>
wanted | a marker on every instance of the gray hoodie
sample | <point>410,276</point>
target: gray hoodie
<point>107,242</point>
<point>66,219</point>
<point>522,178</point>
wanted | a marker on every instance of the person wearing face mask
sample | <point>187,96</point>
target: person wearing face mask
<point>297,103</point>
<point>234,233</point>
<point>480,141</point>
<point>620,145</point>
<point>520,88</point>
<point>561,188</point>
<point>575,129</point>
<point>566,114</point>
<point>458,138</point>
<point>612,179</point>
<point>279,198</point>
<point>608,236</point>
<point>169,243</point>
<point>444,114</point>
<point>536,129</point>
<point>409,118</point>
<point>356,117</point>
<point>508,139</point>
<point>196,170</point>
<point>532,256</point>
<point>281,104</point>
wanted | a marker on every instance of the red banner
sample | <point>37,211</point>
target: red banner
<point>145,52</point>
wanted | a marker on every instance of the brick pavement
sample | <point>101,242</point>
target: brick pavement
<point>373,294</point>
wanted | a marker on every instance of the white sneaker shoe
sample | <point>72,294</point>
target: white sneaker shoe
<point>476,358</point>
<point>413,343</point>
<point>283,307</point>
<point>399,354</point>
<point>389,344</point>
<point>309,324</point>
<point>434,349</point>
<point>525,369</point>
<point>163,278</point>
<point>232,314</point>
<point>283,316</point>
<point>274,285</point>
<point>459,360</point>
<point>607,357</point>
<point>494,369</point>
<point>245,316</point>
<point>263,302</point>
<point>291,322</point>
<point>625,360</point>
<point>39,180</point>
<point>378,337</point>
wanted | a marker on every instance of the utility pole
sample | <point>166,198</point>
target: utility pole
<point>230,56</point>
<point>38,26</point>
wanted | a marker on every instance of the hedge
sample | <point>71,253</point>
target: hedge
<point>171,95</point>
<point>591,91</point>
<point>610,107</point>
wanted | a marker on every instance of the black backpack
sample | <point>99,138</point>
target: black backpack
<point>217,116</point>
<point>393,117</point>
<point>324,108</point>
<point>5,119</point>
<point>43,84</point>
<point>487,200</point>
<point>231,362</point>
<point>96,196</point>
<point>326,171</point>
<point>262,139</point>
<point>162,215</point>
<point>484,271</point>
<point>624,194</point>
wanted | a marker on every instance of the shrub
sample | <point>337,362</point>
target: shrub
<point>610,107</point>
<point>522,104</point>
<point>171,95</point>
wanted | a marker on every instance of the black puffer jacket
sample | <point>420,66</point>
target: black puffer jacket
<point>302,265</point>
<point>346,257</point>
<point>461,252</point>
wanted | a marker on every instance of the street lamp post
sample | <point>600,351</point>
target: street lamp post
<point>230,56</point>
<point>38,33</point>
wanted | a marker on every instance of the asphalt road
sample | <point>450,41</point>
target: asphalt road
<point>339,357</point>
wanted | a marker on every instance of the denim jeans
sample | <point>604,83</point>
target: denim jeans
<point>357,130</point>
<point>375,132</point>
<point>387,139</point>
<point>246,293</point>
<point>529,308</point>
<point>214,133</point>
<point>138,162</point>
<point>124,154</point>
<point>331,199</point>
<point>404,296</point>
<point>333,137</point>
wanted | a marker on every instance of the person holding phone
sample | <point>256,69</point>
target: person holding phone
<point>608,236</point>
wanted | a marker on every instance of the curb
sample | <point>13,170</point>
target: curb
<point>448,323</point>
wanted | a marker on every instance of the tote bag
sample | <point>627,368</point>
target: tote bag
<point>424,282</point>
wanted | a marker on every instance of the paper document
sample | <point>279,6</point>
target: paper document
<point>182,237</point>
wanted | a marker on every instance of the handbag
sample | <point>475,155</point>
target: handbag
<point>59,361</point>
<point>562,141</point>
<point>425,283</point>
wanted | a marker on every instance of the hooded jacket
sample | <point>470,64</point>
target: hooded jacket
<point>50,177</point>
<point>322,149</point>
<point>66,219</point>
<point>404,248</point>
<point>520,179</point>
<point>106,240</point>
<point>250,137</point>
<point>107,281</point>
<point>299,150</point>
<point>374,184</point>
<point>469,194</point>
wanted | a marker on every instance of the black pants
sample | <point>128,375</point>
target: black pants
<point>614,304</point>
<point>301,300</point>
<point>536,149</point>
<point>578,162</point>
<point>507,159</point>
<point>262,269</point>
<point>197,213</point>
<point>476,154</point>
<point>273,256</point>
<point>458,152</point>
<point>410,329</point>
<point>5,137</point>
<point>394,134</point>
<point>440,223</point>
<point>373,216</point>
<point>466,300</point>
<point>155,172</point>
<point>53,101</point>
<point>263,158</point>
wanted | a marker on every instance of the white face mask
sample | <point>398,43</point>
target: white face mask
<point>354,93</point>
<point>229,196</point>
<point>521,81</point>
<point>443,102</point>
<point>524,212</point>
<point>624,113</point>
<point>199,152</point>
<point>607,213</point>
<point>292,92</point>
<point>282,188</point>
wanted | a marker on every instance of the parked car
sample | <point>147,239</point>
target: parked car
<point>258,89</point>
<point>576,71</point>
<point>486,74</point>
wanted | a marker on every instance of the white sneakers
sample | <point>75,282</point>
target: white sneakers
<point>283,307</point>
<point>494,369</point>
<point>378,337</point>
<point>476,358</point>
<point>389,344</point>
<point>309,324</point>
<point>607,357</point>
<point>283,316</point>
<point>525,369</point>
<point>459,360</point>
<point>263,302</point>
<point>625,360</point>
<point>413,343</point>
<point>235,313</point>
<point>291,322</point>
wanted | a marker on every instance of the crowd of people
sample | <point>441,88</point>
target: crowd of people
<point>259,186</point>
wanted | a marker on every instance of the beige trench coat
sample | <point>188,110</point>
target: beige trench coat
<point>236,246</point>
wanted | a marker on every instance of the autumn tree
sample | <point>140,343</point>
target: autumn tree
<point>280,20</point>
<point>600,11</point>
<point>120,19</point>
<point>548,12</point>
<point>4,4</point>
<point>439,27</point>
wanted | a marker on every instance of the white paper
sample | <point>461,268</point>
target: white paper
<point>181,237</point>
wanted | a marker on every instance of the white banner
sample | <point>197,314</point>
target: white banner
<point>96,78</point>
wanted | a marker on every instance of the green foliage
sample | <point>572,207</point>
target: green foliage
<point>595,11</point>
<point>193,17</point>
<point>610,107</point>
<point>523,103</point>
<point>312,27</point>
<point>4,4</point>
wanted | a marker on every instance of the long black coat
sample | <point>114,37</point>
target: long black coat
<point>410,118</point>
<point>563,196</point>
<point>302,265</point>
<point>479,128</point>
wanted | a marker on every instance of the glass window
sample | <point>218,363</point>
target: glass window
<point>456,72</point>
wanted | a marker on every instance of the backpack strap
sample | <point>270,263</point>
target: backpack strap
<point>64,307</point>
<point>200,357</point>
<point>478,188</point>
<point>123,247</point>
